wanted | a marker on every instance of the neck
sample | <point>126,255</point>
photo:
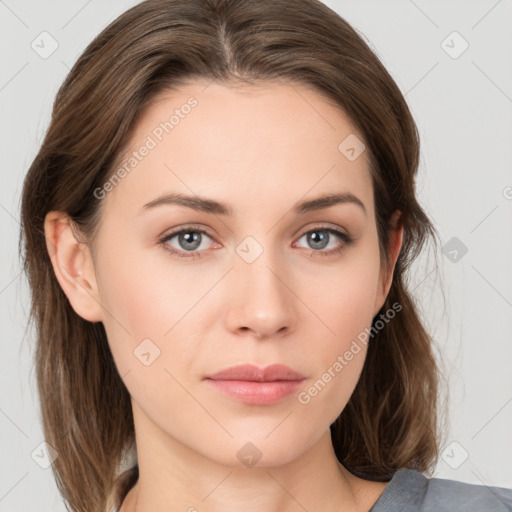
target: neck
<point>171,473</point>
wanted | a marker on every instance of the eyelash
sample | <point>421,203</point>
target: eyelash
<point>347,241</point>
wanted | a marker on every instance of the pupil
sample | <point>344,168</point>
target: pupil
<point>187,239</point>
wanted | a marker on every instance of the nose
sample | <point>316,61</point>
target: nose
<point>260,298</point>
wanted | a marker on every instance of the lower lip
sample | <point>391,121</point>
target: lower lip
<point>257,393</point>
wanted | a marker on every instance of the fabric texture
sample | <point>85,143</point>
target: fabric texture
<point>411,491</point>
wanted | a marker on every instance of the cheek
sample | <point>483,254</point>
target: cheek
<point>344,305</point>
<point>131,305</point>
<point>145,326</point>
<point>151,315</point>
<point>143,294</point>
<point>343,295</point>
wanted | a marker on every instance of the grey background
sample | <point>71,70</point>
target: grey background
<point>463,108</point>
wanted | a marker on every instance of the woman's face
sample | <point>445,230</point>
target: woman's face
<point>255,279</point>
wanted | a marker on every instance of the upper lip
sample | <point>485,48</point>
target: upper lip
<point>254,373</point>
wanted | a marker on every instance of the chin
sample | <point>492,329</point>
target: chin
<point>258,450</point>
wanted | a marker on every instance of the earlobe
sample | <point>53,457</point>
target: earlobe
<point>394,247</point>
<point>73,266</point>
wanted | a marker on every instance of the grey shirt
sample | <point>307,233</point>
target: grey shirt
<point>411,491</point>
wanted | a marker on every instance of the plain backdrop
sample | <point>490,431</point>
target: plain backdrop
<point>453,62</point>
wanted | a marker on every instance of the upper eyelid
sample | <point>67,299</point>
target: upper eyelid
<point>322,225</point>
<point>176,231</point>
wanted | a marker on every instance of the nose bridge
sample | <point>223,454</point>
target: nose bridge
<point>262,302</point>
<point>261,263</point>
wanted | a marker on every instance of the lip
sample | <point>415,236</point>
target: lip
<point>257,386</point>
<point>253,373</point>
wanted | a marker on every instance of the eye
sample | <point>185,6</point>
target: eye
<point>322,236</point>
<point>188,241</point>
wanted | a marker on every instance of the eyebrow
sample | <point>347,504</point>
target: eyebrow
<point>206,205</point>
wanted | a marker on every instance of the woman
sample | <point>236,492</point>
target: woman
<point>217,229</point>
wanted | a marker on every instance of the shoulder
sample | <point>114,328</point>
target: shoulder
<point>410,491</point>
<point>445,494</point>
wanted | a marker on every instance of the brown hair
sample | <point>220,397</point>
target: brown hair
<point>390,421</point>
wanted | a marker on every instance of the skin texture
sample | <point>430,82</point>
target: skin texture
<point>260,149</point>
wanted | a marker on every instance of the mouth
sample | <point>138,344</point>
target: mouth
<point>256,386</point>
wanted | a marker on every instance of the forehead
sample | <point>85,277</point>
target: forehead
<point>242,144</point>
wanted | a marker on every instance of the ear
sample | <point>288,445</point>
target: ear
<point>73,266</point>
<point>394,246</point>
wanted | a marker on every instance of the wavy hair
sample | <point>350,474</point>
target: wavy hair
<point>391,419</point>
